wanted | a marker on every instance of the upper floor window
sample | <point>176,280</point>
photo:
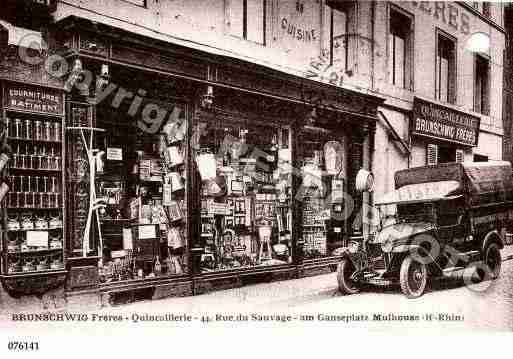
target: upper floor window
<point>247,19</point>
<point>400,49</point>
<point>338,36</point>
<point>481,85</point>
<point>445,69</point>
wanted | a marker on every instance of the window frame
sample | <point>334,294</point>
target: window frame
<point>452,96</point>
<point>244,35</point>
<point>409,43</point>
<point>485,106</point>
<point>350,8</point>
<point>331,28</point>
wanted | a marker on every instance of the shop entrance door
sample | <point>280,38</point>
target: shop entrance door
<point>323,159</point>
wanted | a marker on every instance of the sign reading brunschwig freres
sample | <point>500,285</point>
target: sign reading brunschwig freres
<point>444,123</point>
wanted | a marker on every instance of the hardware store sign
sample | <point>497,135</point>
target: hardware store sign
<point>34,99</point>
<point>443,123</point>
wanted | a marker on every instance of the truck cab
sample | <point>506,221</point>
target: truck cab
<point>444,218</point>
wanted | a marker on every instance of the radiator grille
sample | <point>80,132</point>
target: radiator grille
<point>376,256</point>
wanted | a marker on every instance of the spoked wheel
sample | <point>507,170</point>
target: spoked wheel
<point>492,261</point>
<point>344,272</point>
<point>413,277</point>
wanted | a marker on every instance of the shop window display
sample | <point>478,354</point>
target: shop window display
<point>321,193</point>
<point>142,184</point>
<point>246,178</point>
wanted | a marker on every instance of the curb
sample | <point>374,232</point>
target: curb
<point>507,258</point>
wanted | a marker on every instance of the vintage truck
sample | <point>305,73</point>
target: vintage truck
<point>445,218</point>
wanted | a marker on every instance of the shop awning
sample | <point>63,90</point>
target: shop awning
<point>254,76</point>
<point>422,192</point>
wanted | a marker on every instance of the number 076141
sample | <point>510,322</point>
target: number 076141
<point>22,346</point>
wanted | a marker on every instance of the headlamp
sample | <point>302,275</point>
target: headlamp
<point>353,247</point>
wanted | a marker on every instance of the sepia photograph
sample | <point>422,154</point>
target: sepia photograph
<point>171,165</point>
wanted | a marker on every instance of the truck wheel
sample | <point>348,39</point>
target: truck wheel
<point>345,283</point>
<point>413,277</point>
<point>493,260</point>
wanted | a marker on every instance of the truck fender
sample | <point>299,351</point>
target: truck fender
<point>409,248</point>
<point>491,237</point>
<point>401,248</point>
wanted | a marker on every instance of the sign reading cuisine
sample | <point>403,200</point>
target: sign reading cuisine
<point>34,98</point>
<point>443,123</point>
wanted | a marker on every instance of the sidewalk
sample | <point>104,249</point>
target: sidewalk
<point>273,296</point>
<point>262,297</point>
<point>282,293</point>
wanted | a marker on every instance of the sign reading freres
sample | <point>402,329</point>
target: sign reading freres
<point>443,123</point>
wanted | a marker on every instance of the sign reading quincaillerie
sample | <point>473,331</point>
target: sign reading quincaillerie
<point>443,123</point>
<point>34,98</point>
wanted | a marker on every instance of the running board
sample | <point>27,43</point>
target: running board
<point>379,281</point>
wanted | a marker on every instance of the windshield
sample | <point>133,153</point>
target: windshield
<point>415,212</point>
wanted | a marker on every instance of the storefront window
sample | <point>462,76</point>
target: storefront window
<point>322,193</point>
<point>141,181</point>
<point>400,48</point>
<point>246,177</point>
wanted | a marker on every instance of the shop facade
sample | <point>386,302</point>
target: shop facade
<point>182,172</point>
<point>228,150</point>
<point>443,94</point>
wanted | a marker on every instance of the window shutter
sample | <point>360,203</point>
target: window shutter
<point>432,154</point>
<point>460,156</point>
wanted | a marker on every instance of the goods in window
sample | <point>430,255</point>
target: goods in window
<point>240,191</point>
<point>144,184</point>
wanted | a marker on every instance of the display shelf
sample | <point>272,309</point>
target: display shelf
<point>54,116</point>
<point>36,272</point>
<point>32,140</point>
<point>35,251</point>
<point>33,208</point>
<point>41,130</point>
<point>34,229</point>
<point>33,170</point>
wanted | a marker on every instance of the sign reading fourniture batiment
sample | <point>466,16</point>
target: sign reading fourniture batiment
<point>34,98</point>
<point>443,123</point>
